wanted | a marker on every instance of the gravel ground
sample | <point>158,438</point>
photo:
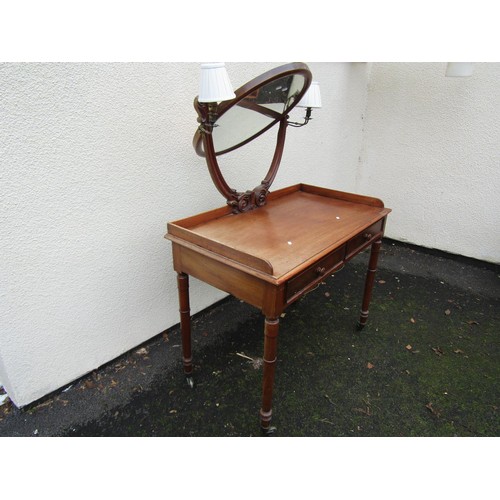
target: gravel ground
<point>427,364</point>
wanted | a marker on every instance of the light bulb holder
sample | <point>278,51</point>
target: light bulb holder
<point>208,117</point>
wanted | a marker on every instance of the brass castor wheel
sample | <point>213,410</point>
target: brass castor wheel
<point>269,431</point>
<point>190,382</point>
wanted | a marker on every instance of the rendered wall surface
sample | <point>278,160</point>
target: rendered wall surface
<point>431,145</point>
<point>95,159</point>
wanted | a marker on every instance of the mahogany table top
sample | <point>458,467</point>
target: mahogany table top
<point>298,225</point>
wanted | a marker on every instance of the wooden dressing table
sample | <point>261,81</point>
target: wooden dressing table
<point>264,248</point>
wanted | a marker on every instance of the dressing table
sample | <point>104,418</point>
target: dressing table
<point>268,248</point>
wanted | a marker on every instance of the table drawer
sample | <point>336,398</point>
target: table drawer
<point>314,273</point>
<point>364,238</point>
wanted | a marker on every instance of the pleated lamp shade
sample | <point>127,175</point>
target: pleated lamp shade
<point>214,83</point>
<point>459,69</point>
<point>312,98</point>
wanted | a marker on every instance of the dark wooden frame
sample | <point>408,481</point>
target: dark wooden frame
<point>204,144</point>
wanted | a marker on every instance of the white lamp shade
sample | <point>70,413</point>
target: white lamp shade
<point>312,98</point>
<point>459,69</point>
<point>214,83</point>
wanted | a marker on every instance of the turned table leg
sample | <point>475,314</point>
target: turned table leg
<point>270,351</point>
<point>370,279</point>
<point>185,313</point>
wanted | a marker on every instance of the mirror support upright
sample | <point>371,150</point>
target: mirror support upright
<point>262,96</point>
<point>247,200</point>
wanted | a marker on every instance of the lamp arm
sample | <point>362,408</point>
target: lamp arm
<point>307,118</point>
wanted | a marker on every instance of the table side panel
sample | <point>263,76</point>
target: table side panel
<point>225,277</point>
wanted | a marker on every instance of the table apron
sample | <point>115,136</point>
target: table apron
<point>257,292</point>
<point>271,298</point>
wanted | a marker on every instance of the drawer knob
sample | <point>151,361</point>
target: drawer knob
<point>367,236</point>
<point>320,270</point>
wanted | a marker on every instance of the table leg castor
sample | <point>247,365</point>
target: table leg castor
<point>269,431</point>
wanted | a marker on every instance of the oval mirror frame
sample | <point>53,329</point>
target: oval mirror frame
<point>210,113</point>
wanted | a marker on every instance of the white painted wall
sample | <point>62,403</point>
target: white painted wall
<point>95,159</point>
<point>432,148</point>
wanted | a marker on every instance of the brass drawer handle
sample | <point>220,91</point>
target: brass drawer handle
<point>320,270</point>
<point>367,236</point>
